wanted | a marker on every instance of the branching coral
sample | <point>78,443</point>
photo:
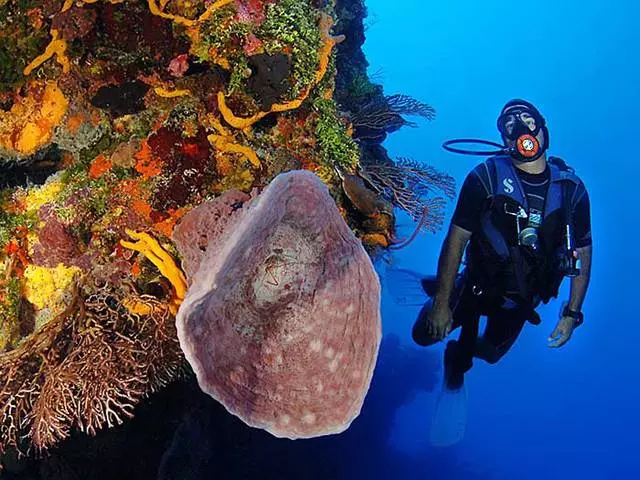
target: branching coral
<point>85,369</point>
<point>408,184</point>
<point>385,115</point>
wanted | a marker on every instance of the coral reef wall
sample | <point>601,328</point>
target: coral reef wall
<point>117,117</point>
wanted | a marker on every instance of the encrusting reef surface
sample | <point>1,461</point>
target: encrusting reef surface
<point>117,119</point>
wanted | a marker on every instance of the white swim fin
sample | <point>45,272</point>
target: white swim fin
<point>450,419</point>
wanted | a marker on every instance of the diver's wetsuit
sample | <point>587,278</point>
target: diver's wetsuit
<point>504,323</point>
<point>506,316</point>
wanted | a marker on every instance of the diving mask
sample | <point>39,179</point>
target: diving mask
<point>521,127</point>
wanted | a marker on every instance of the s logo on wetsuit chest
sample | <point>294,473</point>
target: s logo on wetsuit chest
<point>508,185</point>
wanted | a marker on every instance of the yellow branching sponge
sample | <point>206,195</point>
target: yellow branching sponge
<point>150,248</point>
<point>57,47</point>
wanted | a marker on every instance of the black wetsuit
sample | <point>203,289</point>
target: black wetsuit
<point>506,318</point>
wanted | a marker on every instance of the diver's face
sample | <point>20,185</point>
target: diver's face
<point>528,120</point>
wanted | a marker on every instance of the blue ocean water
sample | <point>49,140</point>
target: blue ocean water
<point>538,413</point>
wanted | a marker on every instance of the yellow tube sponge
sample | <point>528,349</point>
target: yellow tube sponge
<point>161,92</point>
<point>150,248</point>
<point>222,143</point>
<point>57,47</point>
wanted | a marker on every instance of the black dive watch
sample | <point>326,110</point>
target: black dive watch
<point>577,316</point>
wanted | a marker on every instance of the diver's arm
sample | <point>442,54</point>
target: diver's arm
<point>449,263</point>
<point>584,242</point>
<point>562,333</point>
<point>580,284</point>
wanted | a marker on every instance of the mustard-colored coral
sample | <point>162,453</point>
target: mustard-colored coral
<point>375,239</point>
<point>150,248</point>
<point>326,173</point>
<point>32,239</point>
<point>170,93</point>
<point>326,22</point>
<point>38,196</point>
<point>187,22</point>
<point>57,47</point>
<point>224,144</point>
<point>241,179</point>
<point>46,287</point>
<point>30,123</point>
<point>136,307</point>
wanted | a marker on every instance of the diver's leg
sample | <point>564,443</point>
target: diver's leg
<point>458,358</point>
<point>450,416</point>
<point>502,330</point>
<point>458,355</point>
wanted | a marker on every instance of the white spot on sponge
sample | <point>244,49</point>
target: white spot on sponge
<point>309,418</point>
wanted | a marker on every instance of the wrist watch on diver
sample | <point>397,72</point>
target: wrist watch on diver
<point>577,316</point>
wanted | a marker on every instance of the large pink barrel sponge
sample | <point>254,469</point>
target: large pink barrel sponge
<point>281,323</point>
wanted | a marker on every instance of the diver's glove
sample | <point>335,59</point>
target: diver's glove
<point>566,325</point>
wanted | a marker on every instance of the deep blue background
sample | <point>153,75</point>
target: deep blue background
<point>539,413</point>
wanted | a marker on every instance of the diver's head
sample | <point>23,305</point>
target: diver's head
<point>523,130</point>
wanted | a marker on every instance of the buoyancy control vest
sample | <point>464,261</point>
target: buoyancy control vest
<point>496,258</point>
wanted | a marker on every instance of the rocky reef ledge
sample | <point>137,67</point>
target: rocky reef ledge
<point>119,118</point>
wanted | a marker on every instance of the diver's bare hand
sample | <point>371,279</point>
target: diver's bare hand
<point>439,321</point>
<point>562,333</point>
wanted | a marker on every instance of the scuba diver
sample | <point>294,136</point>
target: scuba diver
<point>524,221</point>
